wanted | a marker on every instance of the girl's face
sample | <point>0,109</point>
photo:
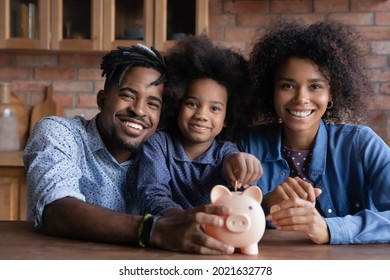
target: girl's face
<point>301,96</point>
<point>202,112</point>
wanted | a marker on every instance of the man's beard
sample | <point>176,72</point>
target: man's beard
<point>129,147</point>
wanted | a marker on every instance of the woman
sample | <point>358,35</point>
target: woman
<point>321,176</point>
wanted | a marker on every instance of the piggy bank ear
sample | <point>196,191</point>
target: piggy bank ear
<point>219,191</point>
<point>254,192</point>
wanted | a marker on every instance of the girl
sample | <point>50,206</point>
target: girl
<point>179,166</point>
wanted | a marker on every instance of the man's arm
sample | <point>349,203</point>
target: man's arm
<point>183,232</point>
<point>70,217</point>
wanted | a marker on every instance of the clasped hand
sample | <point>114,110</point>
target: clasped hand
<point>292,208</point>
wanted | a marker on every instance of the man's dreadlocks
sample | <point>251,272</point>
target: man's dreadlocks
<point>116,63</point>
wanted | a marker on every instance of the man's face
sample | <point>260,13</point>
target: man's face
<point>130,113</point>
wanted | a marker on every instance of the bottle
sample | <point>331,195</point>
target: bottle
<point>9,132</point>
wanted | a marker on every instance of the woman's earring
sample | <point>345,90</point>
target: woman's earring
<point>330,104</point>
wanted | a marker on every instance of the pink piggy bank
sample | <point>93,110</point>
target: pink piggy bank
<point>245,226</point>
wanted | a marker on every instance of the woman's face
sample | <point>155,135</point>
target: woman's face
<point>301,96</point>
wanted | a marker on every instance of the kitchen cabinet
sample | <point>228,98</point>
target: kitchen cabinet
<point>175,18</point>
<point>51,24</point>
<point>25,24</point>
<point>128,24</point>
<point>160,22</point>
<point>12,186</point>
<point>98,25</point>
<point>76,25</point>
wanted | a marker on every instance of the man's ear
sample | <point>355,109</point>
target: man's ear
<point>100,98</point>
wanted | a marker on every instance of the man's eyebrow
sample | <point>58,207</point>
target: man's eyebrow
<point>154,98</point>
<point>129,89</point>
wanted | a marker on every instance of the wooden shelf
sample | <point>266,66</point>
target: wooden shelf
<point>12,186</point>
<point>11,159</point>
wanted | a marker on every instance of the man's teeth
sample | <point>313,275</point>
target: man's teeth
<point>300,113</point>
<point>134,125</point>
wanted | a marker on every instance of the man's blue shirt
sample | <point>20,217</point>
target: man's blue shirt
<point>66,157</point>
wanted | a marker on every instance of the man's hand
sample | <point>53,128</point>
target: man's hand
<point>184,232</point>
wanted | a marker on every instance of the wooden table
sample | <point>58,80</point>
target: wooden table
<point>20,241</point>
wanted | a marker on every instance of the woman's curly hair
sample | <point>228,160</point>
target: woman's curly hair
<point>335,48</point>
<point>196,57</point>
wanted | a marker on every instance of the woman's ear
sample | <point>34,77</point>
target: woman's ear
<point>100,98</point>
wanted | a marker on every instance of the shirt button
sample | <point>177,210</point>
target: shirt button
<point>357,204</point>
<point>330,211</point>
<point>282,174</point>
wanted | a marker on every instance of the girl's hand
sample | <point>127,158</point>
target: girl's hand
<point>243,168</point>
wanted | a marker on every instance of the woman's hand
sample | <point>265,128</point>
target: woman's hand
<point>297,214</point>
<point>292,187</point>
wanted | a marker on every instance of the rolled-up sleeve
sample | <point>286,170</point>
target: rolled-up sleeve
<point>52,169</point>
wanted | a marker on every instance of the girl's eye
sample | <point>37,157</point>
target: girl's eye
<point>286,86</point>
<point>215,108</point>
<point>191,104</point>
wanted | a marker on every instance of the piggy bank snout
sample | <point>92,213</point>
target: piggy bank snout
<point>238,222</point>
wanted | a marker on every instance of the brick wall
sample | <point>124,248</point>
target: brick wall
<point>76,76</point>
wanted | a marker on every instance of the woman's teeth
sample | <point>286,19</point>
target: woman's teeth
<point>301,114</point>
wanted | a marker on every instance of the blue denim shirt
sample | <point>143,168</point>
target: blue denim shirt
<point>350,164</point>
<point>169,179</point>
<point>66,157</point>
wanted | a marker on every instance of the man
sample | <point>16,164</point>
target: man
<point>82,174</point>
